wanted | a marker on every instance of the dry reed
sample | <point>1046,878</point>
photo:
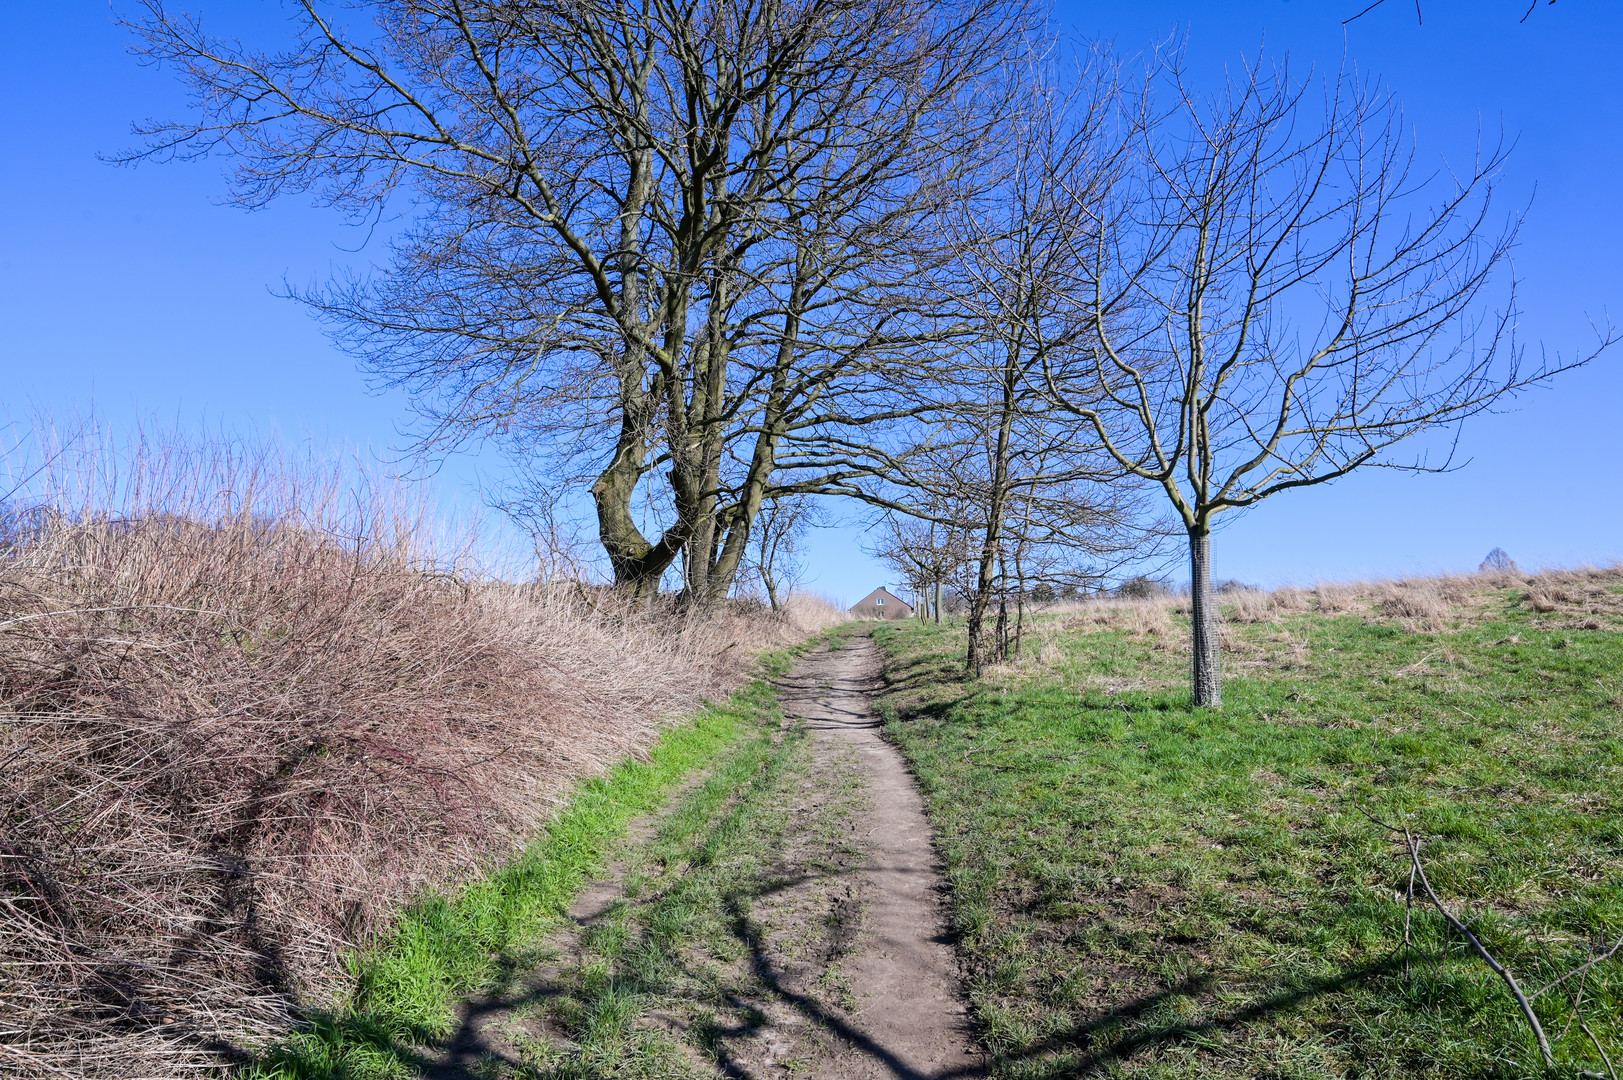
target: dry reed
<point>246,712</point>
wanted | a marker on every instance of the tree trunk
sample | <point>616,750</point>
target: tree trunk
<point>938,601</point>
<point>1020,599</point>
<point>1206,686</point>
<point>637,564</point>
<point>1001,634</point>
<point>978,603</point>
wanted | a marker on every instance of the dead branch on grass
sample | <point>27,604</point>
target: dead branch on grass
<point>1524,1000</point>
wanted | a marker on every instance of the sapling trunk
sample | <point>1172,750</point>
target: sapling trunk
<point>1206,687</point>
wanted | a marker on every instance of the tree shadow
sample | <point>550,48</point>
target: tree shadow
<point>1100,1053</point>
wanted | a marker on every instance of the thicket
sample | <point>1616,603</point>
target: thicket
<point>247,710</point>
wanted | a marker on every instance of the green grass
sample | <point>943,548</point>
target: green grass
<point>695,913</point>
<point>445,947</point>
<point>1143,890</point>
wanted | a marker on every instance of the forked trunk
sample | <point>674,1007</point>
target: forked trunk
<point>637,564</point>
<point>1206,685</point>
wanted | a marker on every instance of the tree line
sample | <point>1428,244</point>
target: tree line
<point>700,265</point>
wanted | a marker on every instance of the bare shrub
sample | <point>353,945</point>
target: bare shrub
<point>244,713</point>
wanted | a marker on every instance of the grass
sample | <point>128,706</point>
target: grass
<point>446,947</point>
<point>1143,890</point>
<point>678,974</point>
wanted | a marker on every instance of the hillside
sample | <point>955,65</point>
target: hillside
<point>1142,890</point>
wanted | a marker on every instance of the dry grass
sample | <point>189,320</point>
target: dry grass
<point>1147,617</point>
<point>243,715</point>
<point>1591,598</point>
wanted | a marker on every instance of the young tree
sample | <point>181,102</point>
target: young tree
<point>777,540</point>
<point>925,551</point>
<point>656,237</point>
<point>1030,472</point>
<point>1273,297</point>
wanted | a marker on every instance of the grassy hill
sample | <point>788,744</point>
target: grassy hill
<point>1143,890</point>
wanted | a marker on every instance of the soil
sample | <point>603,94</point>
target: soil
<point>844,969</point>
<point>909,1018</point>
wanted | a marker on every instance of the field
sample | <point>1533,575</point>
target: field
<point>285,786</point>
<point>1142,890</point>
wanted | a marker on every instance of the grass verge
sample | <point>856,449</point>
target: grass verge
<point>1143,890</point>
<point>445,947</point>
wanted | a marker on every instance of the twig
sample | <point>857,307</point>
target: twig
<point>35,1061</point>
<point>978,749</point>
<point>1611,1073</point>
<point>1487,957</point>
<point>1577,1004</point>
<point>1408,918</point>
<point>1608,954</point>
<point>121,607</point>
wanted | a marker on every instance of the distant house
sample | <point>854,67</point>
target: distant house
<point>881,604</point>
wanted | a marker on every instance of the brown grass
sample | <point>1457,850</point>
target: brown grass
<point>243,715</point>
<point>1142,617</point>
<point>1588,596</point>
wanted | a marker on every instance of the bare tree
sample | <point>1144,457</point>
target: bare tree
<point>1030,471</point>
<point>1274,297</point>
<point>925,551</point>
<point>1420,15</point>
<point>777,542</point>
<point>656,239</point>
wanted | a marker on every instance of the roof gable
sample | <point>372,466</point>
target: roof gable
<point>891,599</point>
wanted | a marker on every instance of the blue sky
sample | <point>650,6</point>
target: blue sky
<point>137,294</point>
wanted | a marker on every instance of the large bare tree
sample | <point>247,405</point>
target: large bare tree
<point>658,237</point>
<point>1275,296</point>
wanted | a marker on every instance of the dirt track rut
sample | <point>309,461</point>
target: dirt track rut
<point>909,1020</point>
<point>831,960</point>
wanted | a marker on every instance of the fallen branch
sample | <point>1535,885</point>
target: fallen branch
<point>1524,1000</point>
<point>1482,951</point>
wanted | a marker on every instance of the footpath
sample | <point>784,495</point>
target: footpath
<point>782,918</point>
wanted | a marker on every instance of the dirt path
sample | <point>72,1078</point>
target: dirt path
<point>784,921</point>
<point>909,1018</point>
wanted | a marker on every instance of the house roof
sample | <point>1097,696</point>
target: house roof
<point>881,591</point>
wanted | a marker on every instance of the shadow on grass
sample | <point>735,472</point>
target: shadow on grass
<point>356,1045</point>
<point>1100,1059</point>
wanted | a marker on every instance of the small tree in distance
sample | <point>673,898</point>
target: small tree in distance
<point>776,559</point>
<point>1274,298</point>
